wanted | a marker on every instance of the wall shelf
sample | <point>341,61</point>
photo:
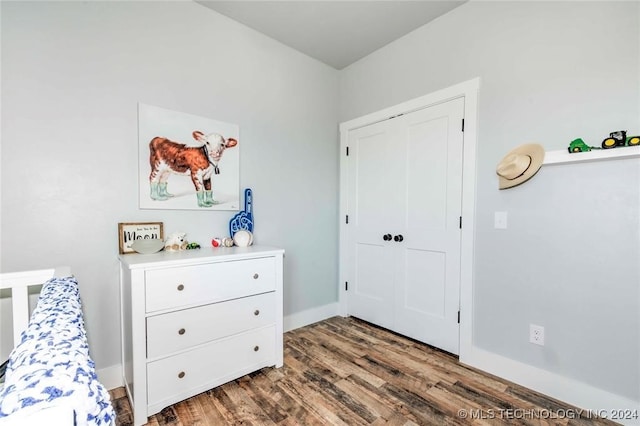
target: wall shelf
<point>563,156</point>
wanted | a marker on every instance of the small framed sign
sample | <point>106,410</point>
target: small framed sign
<point>129,232</point>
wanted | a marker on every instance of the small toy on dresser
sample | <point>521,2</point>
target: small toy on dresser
<point>243,220</point>
<point>176,242</point>
<point>241,238</point>
<point>222,242</point>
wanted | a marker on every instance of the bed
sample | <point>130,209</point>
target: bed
<point>50,377</point>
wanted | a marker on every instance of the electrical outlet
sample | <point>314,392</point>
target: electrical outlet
<point>536,334</point>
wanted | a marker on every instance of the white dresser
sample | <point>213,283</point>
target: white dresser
<point>196,319</point>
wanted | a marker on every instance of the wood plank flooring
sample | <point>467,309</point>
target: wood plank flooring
<point>344,371</point>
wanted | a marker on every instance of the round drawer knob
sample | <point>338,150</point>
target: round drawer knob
<point>181,374</point>
<point>180,287</point>
<point>256,312</point>
<point>256,348</point>
<point>255,276</point>
<point>181,331</point>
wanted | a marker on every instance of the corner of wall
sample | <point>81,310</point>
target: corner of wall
<point>111,377</point>
<point>310,316</point>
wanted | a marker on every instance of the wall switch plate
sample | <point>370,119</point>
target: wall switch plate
<point>536,334</point>
<point>500,220</point>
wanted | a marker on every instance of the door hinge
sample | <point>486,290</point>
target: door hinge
<point>347,151</point>
<point>460,223</point>
<point>346,219</point>
<point>346,286</point>
<point>458,317</point>
<point>463,124</point>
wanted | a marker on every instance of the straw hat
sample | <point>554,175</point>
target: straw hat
<point>519,165</point>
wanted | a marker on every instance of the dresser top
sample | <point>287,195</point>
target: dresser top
<point>202,255</point>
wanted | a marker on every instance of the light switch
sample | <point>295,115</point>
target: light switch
<point>500,220</point>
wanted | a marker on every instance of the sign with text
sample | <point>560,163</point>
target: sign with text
<point>130,232</point>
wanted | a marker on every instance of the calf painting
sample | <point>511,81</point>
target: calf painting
<point>187,162</point>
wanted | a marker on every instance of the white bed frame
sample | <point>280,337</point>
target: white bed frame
<point>19,283</point>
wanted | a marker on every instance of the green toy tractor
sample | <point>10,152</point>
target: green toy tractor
<point>578,145</point>
<point>620,138</point>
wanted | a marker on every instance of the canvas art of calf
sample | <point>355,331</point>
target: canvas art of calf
<point>199,162</point>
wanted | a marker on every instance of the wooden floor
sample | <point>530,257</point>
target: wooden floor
<point>344,371</point>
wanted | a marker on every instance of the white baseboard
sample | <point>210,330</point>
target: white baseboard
<point>111,377</point>
<point>565,389</point>
<point>300,319</point>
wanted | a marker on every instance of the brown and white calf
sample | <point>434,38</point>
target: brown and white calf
<point>199,162</point>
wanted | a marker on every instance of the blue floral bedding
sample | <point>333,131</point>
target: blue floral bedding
<point>51,365</point>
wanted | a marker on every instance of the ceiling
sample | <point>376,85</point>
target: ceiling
<point>337,33</point>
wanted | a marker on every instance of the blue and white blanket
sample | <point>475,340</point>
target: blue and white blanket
<point>51,365</point>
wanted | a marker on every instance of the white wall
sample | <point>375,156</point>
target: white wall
<point>550,72</point>
<point>72,75</point>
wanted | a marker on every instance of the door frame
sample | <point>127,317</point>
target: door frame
<point>469,90</point>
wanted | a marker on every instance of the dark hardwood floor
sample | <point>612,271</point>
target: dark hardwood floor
<point>344,371</point>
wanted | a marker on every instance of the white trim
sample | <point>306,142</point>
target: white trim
<point>469,90</point>
<point>467,243</point>
<point>440,96</point>
<point>571,391</point>
<point>310,316</point>
<point>111,377</point>
<point>343,209</point>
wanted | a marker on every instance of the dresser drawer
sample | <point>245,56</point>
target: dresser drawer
<point>215,282</point>
<point>167,333</point>
<point>171,378</point>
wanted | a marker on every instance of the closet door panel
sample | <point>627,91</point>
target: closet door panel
<point>372,288</point>
<point>374,179</point>
<point>428,280</point>
<point>423,292</point>
<point>377,179</point>
<point>426,174</point>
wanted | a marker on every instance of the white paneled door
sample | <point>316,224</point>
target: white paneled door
<point>404,197</point>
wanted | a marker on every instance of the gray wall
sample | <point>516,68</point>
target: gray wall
<point>550,72</point>
<point>72,75</point>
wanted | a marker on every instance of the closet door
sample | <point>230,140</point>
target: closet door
<point>404,195</point>
<point>427,291</point>
<point>374,180</point>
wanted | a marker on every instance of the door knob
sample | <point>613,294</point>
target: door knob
<point>398,238</point>
<point>386,237</point>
